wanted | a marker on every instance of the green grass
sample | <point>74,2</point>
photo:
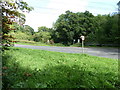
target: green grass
<point>29,68</point>
<point>26,42</point>
<point>35,44</point>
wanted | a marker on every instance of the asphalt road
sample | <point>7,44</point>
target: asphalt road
<point>94,51</point>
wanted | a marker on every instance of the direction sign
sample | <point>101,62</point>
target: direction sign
<point>82,37</point>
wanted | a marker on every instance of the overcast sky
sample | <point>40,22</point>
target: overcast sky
<point>47,11</point>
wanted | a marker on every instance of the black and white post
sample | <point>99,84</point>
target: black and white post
<point>83,38</point>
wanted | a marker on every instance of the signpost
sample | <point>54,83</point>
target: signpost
<point>78,40</point>
<point>83,38</point>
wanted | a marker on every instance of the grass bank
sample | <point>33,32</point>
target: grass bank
<point>29,68</point>
<point>26,42</point>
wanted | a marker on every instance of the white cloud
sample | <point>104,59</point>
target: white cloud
<point>36,20</point>
<point>46,17</point>
<point>47,11</point>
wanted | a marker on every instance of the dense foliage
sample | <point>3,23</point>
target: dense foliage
<point>43,34</point>
<point>22,32</point>
<point>106,30</point>
<point>11,14</point>
<point>100,29</point>
<point>71,26</point>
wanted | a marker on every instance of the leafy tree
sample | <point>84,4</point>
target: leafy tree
<point>100,29</point>
<point>71,26</point>
<point>43,34</point>
<point>29,30</point>
<point>115,32</point>
<point>11,14</point>
<point>43,29</point>
<point>21,36</point>
<point>17,27</point>
<point>22,32</point>
<point>118,6</point>
<point>106,30</point>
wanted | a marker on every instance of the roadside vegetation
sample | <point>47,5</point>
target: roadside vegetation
<point>100,30</point>
<point>26,42</point>
<point>33,43</point>
<point>29,68</point>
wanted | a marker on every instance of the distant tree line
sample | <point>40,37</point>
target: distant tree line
<point>98,30</point>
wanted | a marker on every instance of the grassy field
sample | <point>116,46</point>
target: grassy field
<point>28,68</point>
<point>40,44</point>
<point>26,42</point>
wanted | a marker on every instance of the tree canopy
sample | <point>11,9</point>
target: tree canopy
<point>100,29</point>
<point>43,34</point>
<point>11,13</point>
<point>71,26</point>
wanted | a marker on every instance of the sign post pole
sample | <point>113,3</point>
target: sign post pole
<point>83,38</point>
<point>83,46</point>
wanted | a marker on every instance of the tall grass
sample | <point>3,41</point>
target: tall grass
<point>29,68</point>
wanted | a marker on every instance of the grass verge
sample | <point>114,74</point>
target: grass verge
<point>26,42</point>
<point>29,68</point>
